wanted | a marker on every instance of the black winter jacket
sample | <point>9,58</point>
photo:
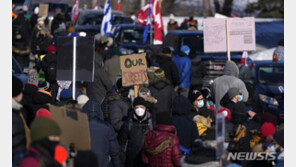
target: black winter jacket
<point>186,129</point>
<point>103,137</point>
<point>118,111</point>
<point>164,93</point>
<point>170,69</point>
<point>131,136</point>
<point>18,129</point>
<point>198,71</point>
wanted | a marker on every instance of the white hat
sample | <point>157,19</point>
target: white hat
<point>172,16</point>
<point>36,10</point>
<point>82,100</point>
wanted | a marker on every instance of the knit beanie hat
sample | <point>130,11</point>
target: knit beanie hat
<point>60,154</point>
<point>232,92</point>
<point>82,100</point>
<point>267,129</point>
<point>85,158</point>
<point>185,49</point>
<point>51,48</point>
<point>193,95</point>
<point>139,101</point>
<point>43,113</point>
<point>43,127</point>
<point>17,86</point>
<point>43,85</point>
<point>279,137</point>
<point>33,77</point>
<point>226,112</point>
<point>164,118</point>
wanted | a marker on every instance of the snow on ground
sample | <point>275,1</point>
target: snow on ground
<point>262,55</point>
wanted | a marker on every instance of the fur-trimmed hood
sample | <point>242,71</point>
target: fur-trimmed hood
<point>16,105</point>
<point>201,119</point>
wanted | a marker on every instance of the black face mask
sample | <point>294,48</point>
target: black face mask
<point>48,145</point>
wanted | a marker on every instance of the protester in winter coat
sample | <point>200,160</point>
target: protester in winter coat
<point>184,67</point>
<point>102,135</point>
<point>57,20</point>
<point>21,32</point>
<point>181,109</point>
<point>19,126</point>
<point>165,62</point>
<point>172,24</point>
<point>184,25</point>
<point>198,70</point>
<point>162,90</point>
<point>40,40</point>
<point>161,145</point>
<point>45,136</point>
<point>118,106</point>
<point>131,133</point>
<point>30,90</point>
<point>229,80</point>
<point>34,17</point>
<point>41,99</point>
<point>112,66</point>
<point>97,90</point>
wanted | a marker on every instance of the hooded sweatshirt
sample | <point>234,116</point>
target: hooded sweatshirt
<point>181,109</point>
<point>103,137</point>
<point>184,67</point>
<point>229,80</point>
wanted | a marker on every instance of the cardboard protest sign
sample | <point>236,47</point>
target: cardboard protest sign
<point>43,10</point>
<point>241,34</point>
<point>74,126</point>
<point>84,62</point>
<point>133,69</point>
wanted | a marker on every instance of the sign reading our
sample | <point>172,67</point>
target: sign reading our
<point>133,69</point>
<point>241,34</point>
<point>43,10</point>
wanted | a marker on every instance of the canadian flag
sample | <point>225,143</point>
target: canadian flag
<point>95,7</point>
<point>157,16</point>
<point>244,58</point>
<point>158,23</point>
<point>118,5</point>
<point>143,14</point>
<point>75,9</point>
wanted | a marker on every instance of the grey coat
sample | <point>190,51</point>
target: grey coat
<point>230,79</point>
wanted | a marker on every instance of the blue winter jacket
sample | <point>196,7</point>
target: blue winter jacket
<point>103,137</point>
<point>184,67</point>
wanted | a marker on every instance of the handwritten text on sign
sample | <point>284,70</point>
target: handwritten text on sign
<point>241,34</point>
<point>134,69</point>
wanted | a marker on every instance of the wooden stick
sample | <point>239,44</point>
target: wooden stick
<point>228,39</point>
<point>136,90</point>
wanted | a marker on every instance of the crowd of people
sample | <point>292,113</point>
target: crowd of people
<point>170,122</point>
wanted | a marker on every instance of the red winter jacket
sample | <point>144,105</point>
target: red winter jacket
<point>161,147</point>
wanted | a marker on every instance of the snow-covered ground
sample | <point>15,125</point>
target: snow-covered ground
<point>263,55</point>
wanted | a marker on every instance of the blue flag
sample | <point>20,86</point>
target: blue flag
<point>107,19</point>
<point>145,35</point>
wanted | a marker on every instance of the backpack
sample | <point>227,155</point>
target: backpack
<point>49,67</point>
<point>234,145</point>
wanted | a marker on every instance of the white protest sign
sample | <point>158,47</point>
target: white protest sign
<point>241,34</point>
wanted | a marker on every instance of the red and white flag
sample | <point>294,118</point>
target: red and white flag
<point>157,16</point>
<point>244,58</point>
<point>95,7</point>
<point>75,10</point>
<point>158,23</point>
<point>143,14</point>
<point>118,5</point>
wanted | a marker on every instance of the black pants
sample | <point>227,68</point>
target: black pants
<point>22,59</point>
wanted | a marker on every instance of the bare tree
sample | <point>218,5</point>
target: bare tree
<point>207,8</point>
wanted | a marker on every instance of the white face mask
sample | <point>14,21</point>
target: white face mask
<point>200,103</point>
<point>140,112</point>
